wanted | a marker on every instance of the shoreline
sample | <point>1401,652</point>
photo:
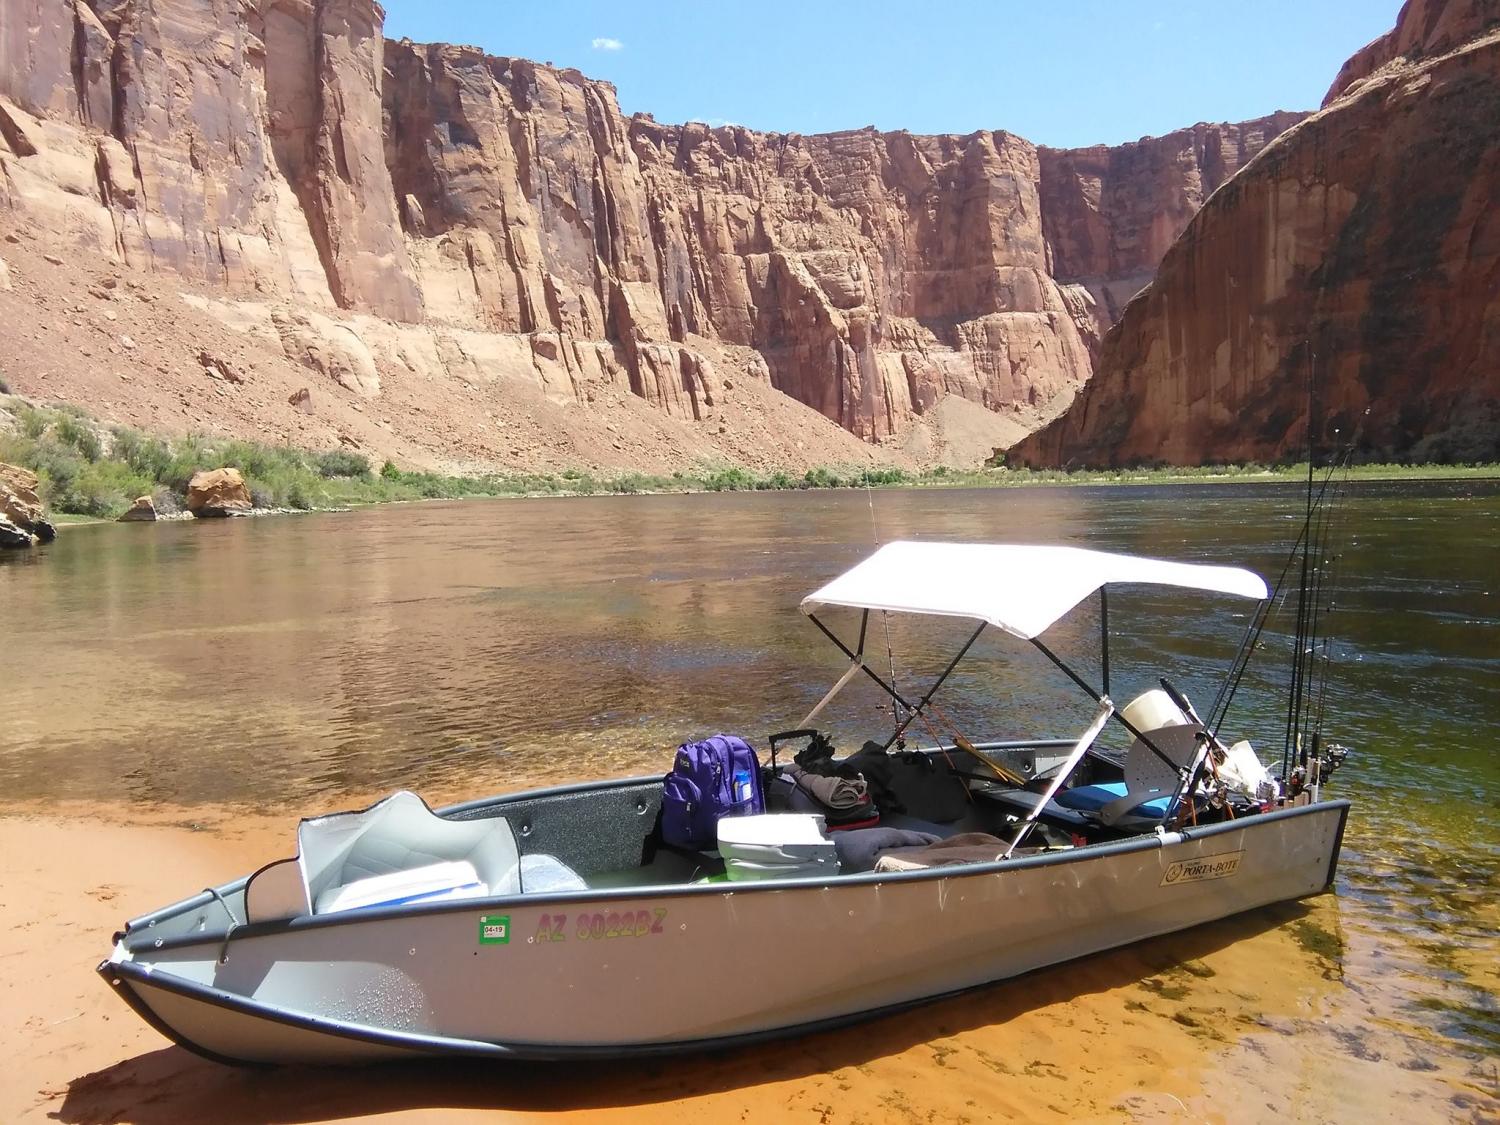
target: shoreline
<point>91,471</point>
<point>955,479</point>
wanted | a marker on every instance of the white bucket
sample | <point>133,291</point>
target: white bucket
<point>1153,710</point>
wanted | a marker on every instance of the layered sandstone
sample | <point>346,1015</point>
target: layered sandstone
<point>1424,28</point>
<point>1111,213</point>
<point>385,210</point>
<point>1351,270</point>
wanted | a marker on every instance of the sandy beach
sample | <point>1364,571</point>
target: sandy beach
<point>1242,1020</point>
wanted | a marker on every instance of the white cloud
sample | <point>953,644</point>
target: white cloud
<point>603,43</point>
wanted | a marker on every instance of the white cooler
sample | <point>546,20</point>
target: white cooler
<point>776,846</point>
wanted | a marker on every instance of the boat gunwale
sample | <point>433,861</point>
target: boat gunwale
<point>136,938</point>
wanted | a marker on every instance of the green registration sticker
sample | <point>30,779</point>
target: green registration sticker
<point>494,929</point>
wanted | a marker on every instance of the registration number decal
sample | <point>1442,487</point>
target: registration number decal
<point>1220,866</point>
<point>600,926</point>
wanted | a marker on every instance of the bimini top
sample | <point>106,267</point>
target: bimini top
<point>1023,590</point>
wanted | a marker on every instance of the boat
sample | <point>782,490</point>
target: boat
<point>559,923</point>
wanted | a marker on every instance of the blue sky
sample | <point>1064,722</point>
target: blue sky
<point>1058,72</point>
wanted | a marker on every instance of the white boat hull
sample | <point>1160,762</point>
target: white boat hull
<point>627,971</point>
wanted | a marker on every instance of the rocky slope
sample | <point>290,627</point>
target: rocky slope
<point>432,220</point>
<point>1356,258</point>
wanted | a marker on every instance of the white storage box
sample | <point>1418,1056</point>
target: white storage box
<point>776,846</point>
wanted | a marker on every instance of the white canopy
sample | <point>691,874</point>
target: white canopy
<point>1023,590</point>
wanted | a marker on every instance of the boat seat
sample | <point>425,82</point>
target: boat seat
<point>1092,798</point>
<point>546,874</point>
<point>401,834</point>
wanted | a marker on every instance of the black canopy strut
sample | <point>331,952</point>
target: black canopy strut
<point>857,655</point>
<point>948,671</point>
<point>1098,697</point>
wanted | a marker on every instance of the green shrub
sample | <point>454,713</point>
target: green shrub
<point>149,456</point>
<point>57,467</point>
<point>822,478</point>
<point>728,480</point>
<point>4,386</point>
<point>101,489</point>
<point>300,495</point>
<point>34,423</point>
<point>188,455</point>
<point>77,432</point>
<point>343,463</point>
<point>389,471</point>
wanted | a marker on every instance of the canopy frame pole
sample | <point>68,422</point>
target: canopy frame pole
<point>1104,633</point>
<point>842,647</point>
<point>1099,697</point>
<point>843,682</point>
<point>912,713</point>
<point>1080,748</point>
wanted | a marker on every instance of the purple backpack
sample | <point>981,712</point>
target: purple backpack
<point>717,777</point>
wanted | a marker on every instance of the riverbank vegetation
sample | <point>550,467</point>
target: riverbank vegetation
<point>90,470</point>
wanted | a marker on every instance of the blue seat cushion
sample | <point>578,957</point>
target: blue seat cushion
<point>1092,798</point>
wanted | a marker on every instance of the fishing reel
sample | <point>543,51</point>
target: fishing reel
<point>1331,758</point>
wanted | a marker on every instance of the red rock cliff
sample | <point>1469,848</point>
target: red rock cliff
<point>1357,257</point>
<point>282,149</point>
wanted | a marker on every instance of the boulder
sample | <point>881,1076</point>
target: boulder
<point>12,536</point>
<point>302,400</point>
<point>218,492</point>
<point>219,368</point>
<point>142,511</point>
<point>20,505</point>
<point>5,285</point>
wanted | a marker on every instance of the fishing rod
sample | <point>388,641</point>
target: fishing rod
<point>1219,711</point>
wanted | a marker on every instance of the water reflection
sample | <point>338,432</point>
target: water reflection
<point>333,653</point>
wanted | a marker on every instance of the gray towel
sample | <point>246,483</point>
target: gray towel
<point>830,792</point>
<point>859,848</point>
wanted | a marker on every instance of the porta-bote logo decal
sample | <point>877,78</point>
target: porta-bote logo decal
<point>494,929</point>
<point>1220,866</point>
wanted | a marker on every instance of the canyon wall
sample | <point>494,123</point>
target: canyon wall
<point>390,208</point>
<point>1352,268</point>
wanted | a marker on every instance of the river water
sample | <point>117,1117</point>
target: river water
<point>314,662</point>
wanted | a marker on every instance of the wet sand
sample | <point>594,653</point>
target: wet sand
<point>1298,1011</point>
